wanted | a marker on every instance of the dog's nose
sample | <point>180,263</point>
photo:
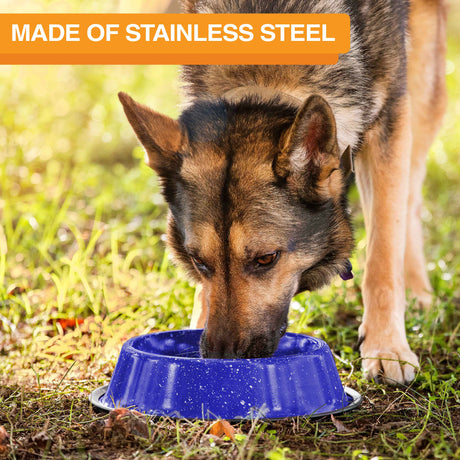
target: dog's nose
<point>219,345</point>
<point>224,345</point>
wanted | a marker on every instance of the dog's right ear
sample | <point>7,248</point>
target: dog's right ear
<point>311,142</point>
<point>160,135</point>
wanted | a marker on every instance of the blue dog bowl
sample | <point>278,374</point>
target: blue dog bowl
<point>162,374</point>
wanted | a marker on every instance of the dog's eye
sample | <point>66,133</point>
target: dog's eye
<point>267,259</point>
<point>197,261</point>
<point>200,265</point>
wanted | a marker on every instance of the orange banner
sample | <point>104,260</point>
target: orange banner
<point>173,38</point>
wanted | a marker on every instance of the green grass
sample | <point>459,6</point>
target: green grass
<point>81,230</point>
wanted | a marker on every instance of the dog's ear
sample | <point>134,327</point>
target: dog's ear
<point>311,142</point>
<point>161,136</point>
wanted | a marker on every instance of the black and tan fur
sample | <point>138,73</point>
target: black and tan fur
<point>255,169</point>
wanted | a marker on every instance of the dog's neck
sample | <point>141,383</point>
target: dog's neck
<point>348,119</point>
<point>263,93</point>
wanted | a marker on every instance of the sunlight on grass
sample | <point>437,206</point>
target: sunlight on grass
<point>81,228</point>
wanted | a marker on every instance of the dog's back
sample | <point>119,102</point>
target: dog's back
<point>358,88</point>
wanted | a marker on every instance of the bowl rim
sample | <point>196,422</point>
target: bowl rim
<point>96,395</point>
<point>321,347</point>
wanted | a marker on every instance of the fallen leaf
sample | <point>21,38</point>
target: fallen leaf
<point>41,439</point>
<point>69,323</point>
<point>124,422</point>
<point>341,428</point>
<point>4,440</point>
<point>222,428</point>
<point>14,290</point>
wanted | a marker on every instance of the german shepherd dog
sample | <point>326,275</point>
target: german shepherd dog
<point>255,168</point>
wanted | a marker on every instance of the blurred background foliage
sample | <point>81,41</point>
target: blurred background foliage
<point>82,219</point>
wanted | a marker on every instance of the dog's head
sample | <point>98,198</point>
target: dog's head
<point>256,192</point>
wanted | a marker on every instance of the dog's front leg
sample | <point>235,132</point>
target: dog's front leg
<point>382,171</point>
<point>199,313</point>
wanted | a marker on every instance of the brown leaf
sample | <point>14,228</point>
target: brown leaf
<point>14,290</point>
<point>4,440</point>
<point>222,428</point>
<point>341,428</point>
<point>41,439</point>
<point>124,422</point>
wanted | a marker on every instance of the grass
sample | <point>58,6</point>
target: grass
<point>83,267</point>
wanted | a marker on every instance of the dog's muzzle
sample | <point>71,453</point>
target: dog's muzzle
<point>225,345</point>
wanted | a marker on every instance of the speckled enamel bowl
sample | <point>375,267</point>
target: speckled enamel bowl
<point>163,374</point>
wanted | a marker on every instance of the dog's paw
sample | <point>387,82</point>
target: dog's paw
<point>384,361</point>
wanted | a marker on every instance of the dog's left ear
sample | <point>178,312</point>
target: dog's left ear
<point>160,135</point>
<point>309,147</point>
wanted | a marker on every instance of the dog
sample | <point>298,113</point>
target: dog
<point>255,172</point>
